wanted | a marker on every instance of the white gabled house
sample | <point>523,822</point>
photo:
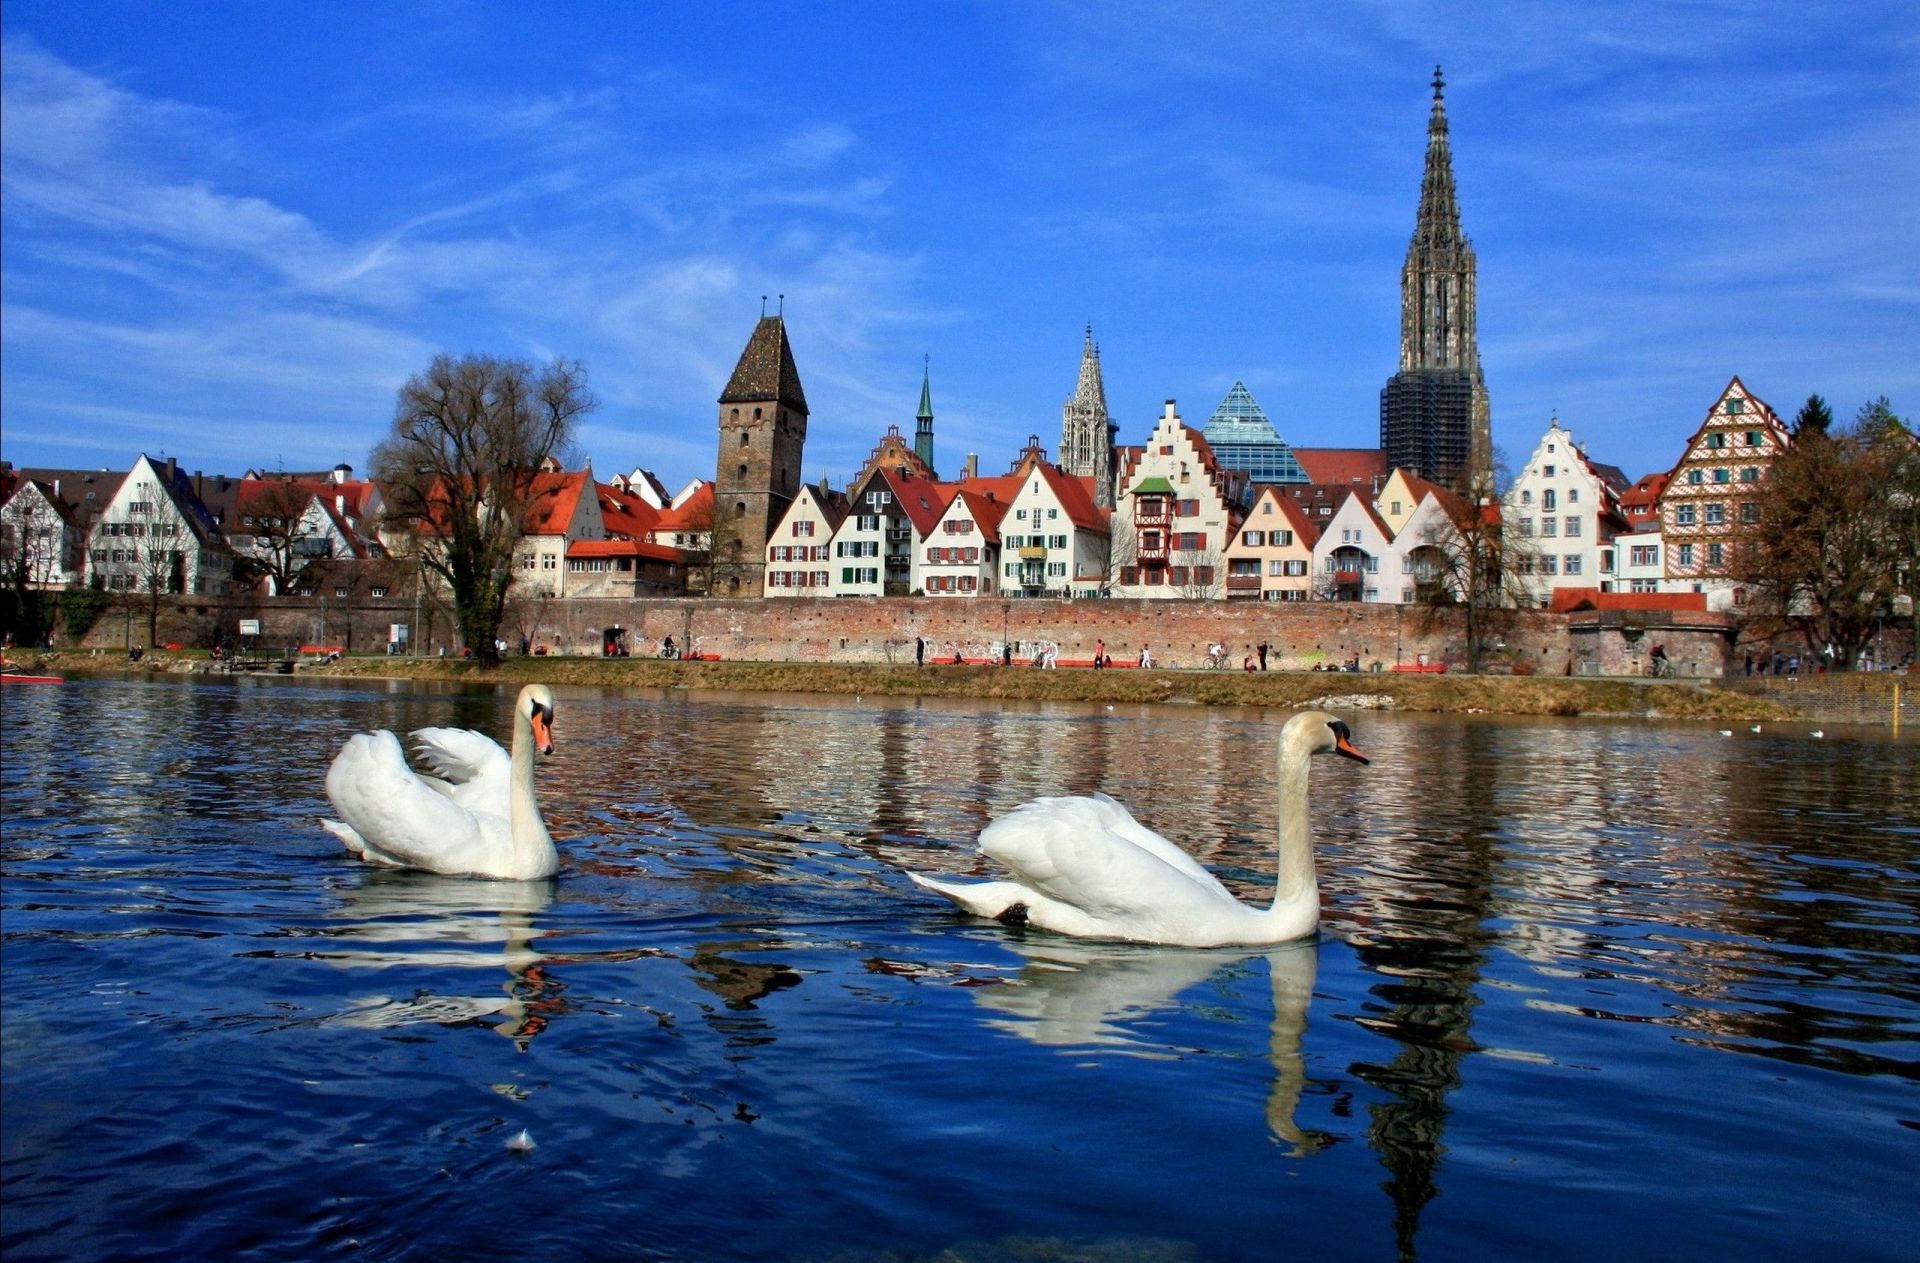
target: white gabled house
<point>1567,509</point>
<point>1420,560</point>
<point>155,535</point>
<point>800,549</point>
<point>961,556</point>
<point>1053,538</point>
<point>1348,555</point>
<point>41,541</point>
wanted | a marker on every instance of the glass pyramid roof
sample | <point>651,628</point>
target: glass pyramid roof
<point>1239,419</point>
<point>1243,438</point>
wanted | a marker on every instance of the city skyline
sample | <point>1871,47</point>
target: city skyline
<point>231,242</point>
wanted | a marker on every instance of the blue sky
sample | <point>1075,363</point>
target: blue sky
<point>232,230</point>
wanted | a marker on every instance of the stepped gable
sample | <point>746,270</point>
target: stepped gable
<point>766,369</point>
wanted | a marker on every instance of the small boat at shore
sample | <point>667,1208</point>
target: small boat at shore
<point>11,674</point>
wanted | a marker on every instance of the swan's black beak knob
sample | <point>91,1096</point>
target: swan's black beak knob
<point>1343,742</point>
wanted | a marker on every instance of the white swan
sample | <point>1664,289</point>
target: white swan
<point>1085,867</point>
<point>476,816</point>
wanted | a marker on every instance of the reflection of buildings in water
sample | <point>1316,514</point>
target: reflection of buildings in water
<point>418,920</point>
<point>741,985</point>
<point>1072,993</point>
<point>1420,923</point>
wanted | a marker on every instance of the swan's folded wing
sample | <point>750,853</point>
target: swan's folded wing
<point>399,815</point>
<point>1120,821</point>
<point>472,764</point>
<point>1066,848</point>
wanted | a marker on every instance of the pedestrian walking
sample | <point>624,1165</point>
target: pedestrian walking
<point>1263,655</point>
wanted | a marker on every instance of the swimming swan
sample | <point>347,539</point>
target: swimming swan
<point>474,817</point>
<point>1085,867</point>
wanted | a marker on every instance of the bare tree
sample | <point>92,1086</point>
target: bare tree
<point>283,533</point>
<point>1838,527</point>
<point>1197,572</point>
<point>525,612</point>
<point>1469,561</point>
<point>28,567</point>
<point>460,470</point>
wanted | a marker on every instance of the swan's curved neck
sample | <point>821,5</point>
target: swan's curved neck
<point>527,826</point>
<point>1295,877</point>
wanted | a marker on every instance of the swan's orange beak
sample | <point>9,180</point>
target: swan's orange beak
<point>542,721</point>
<point>1343,742</point>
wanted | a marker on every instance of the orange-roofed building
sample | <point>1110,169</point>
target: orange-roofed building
<point>1054,538</point>
<point>1271,559</point>
<point>961,555</point>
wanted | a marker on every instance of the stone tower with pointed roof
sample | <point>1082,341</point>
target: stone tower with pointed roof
<point>923,420</point>
<point>763,429</point>
<point>1434,417</point>
<point>1086,431</point>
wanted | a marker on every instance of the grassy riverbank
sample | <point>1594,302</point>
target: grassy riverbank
<point>1443,693</point>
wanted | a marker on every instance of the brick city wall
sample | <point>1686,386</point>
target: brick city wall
<point>875,629</point>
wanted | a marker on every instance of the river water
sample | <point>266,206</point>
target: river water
<point>1585,990</point>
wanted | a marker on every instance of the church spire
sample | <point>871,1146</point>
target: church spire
<point>1438,305</point>
<point>1086,433</point>
<point>923,429</point>
<point>1437,224</point>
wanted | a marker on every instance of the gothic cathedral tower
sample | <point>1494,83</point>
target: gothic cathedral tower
<point>1086,432</point>
<point>763,427</point>
<point>1434,417</point>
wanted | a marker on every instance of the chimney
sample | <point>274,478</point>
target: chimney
<point>173,467</point>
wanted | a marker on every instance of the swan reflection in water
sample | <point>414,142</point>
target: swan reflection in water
<point>1076,993</point>
<point>426,925</point>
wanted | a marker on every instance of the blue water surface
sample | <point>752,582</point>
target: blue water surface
<point>1586,989</point>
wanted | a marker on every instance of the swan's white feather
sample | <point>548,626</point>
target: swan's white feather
<point>1086,867</point>
<point>472,767</point>
<point>458,820</point>
<point>1091,853</point>
<point>402,818</point>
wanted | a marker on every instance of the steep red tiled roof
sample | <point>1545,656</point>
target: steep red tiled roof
<point>1565,599</point>
<point>1344,465</point>
<point>1304,530</point>
<point>1075,493</point>
<point>695,513</point>
<point>986,513</point>
<point>625,514</point>
<point>921,500</point>
<point>587,548</point>
<point>555,498</point>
